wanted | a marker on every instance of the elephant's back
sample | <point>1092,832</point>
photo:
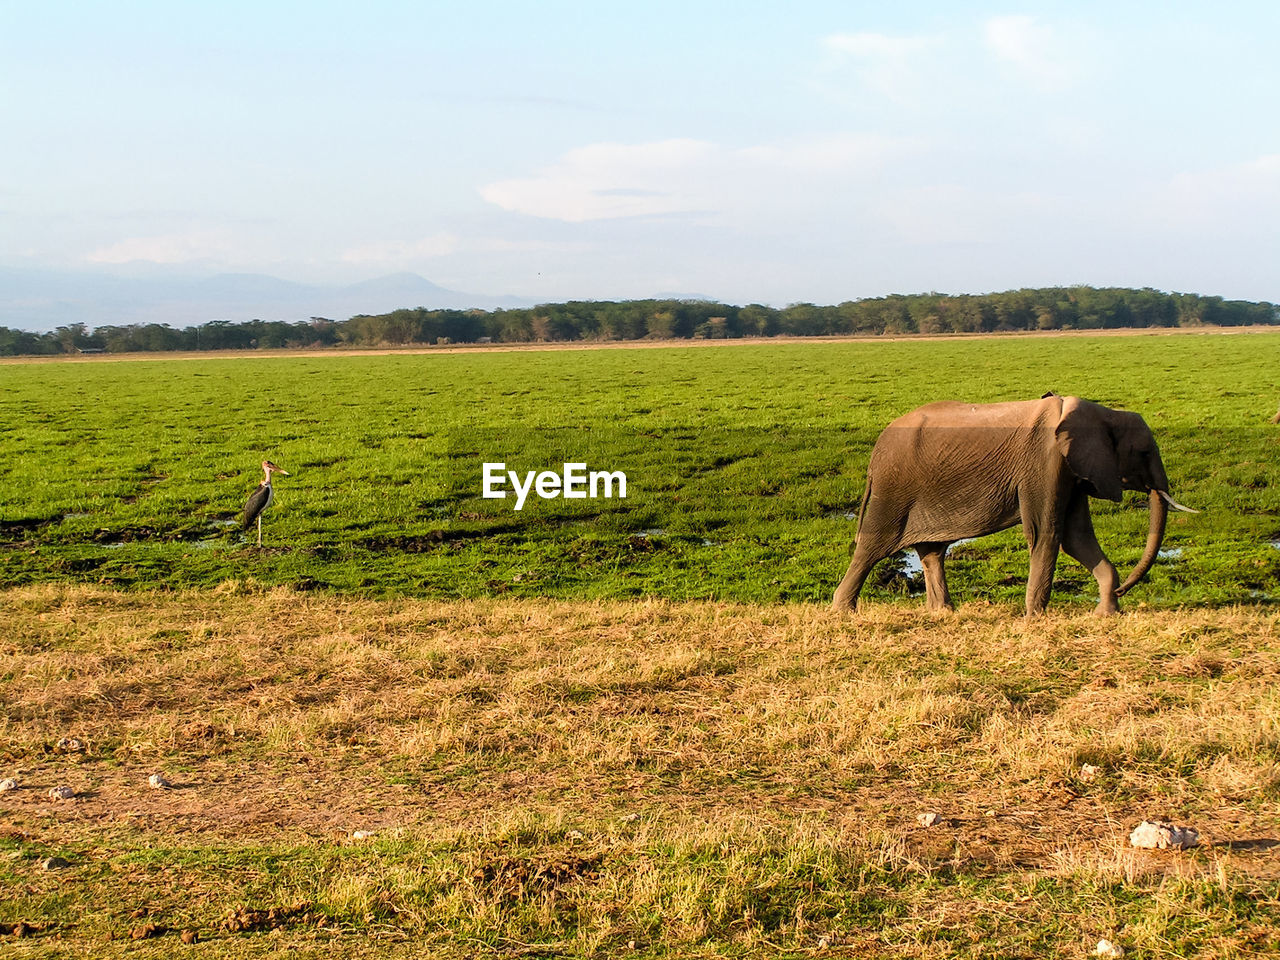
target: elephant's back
<point>958,414</point>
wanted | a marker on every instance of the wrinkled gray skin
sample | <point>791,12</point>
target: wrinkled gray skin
<point>950,471</point>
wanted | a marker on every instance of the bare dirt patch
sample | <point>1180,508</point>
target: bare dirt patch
<point>277,710</point>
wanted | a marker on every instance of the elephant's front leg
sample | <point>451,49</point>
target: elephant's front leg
<point>1081,543</point>
<point>1044,541</point>
<point>1044,557</point>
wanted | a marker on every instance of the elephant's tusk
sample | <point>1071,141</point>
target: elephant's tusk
<point>1174,503</point>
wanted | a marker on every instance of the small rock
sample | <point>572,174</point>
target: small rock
<point>7,784</point>
<point>362,834</point>
<point>1087,772</point>
<point>1107,949</point>
<point>1161,835</point>
<point>61,792</point>
<point>55,863</point>
<point>146,931</point>
<point>928,819</point>
<point>158,781</point>
<point>190,936</point>
<point>574,835</point>
<point>69,745</point>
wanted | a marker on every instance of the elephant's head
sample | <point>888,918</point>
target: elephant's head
<point>1111,451</point>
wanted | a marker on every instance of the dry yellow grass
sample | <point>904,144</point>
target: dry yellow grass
<point>604,733</point>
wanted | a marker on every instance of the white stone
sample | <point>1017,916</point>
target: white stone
<point>1106,948</point>
<point>361,834</point>
<point>1162,835</point>
<point>7,784</point>
<point>1088,771</point>
<point>70,745</point>
<point>159,782</point>
<point>61,792</point>
<point>928,819</point>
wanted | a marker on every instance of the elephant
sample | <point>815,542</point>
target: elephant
<point>950,471</point>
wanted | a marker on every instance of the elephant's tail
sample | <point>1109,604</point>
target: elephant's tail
<point>862,510</point>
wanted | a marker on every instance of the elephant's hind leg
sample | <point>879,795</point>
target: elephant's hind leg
<point>933,560</point>
<point>864,558</point>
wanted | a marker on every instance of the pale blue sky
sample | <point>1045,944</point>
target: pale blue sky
<point>745,151</point>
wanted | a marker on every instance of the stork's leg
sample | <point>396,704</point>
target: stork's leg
<point>259,529</point>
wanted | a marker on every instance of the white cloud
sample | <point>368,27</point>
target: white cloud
<point>609,180</point>
<point>167,248</point>
<point>681,177</point>
<point>406,251</point>
<point>1033,48</point>
<point>894,66</point>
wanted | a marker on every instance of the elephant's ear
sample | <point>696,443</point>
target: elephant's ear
<point>1085,440</point>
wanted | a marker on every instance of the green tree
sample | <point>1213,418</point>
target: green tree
<point>662,325</point>
<point>72,337</point>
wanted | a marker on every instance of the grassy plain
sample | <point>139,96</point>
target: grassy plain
<point>623,779</point>
<point>627,727</point>
<point>744,464</point>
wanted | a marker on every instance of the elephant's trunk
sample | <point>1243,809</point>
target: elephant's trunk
<point>1155,535</point>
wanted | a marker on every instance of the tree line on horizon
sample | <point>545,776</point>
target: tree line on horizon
<point>1052,308</point>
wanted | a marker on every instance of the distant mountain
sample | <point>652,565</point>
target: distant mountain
<point>40,300</point>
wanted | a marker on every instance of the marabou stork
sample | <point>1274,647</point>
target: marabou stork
<point>260,499</point>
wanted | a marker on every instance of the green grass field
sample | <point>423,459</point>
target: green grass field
<point>743,464</point>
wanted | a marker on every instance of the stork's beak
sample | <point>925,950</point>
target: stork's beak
<point>274,469</point>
